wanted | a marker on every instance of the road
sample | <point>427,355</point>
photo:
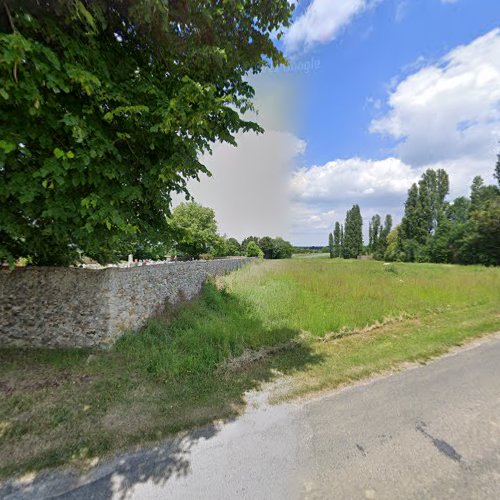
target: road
<point>426,432</point>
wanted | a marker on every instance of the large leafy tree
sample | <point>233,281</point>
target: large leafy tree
<point>424,209</point>
<point>194,230</point>
<point>106,107</point>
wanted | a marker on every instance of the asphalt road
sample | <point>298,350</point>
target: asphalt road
<point>426,432</point>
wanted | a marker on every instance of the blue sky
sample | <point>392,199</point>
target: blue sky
<point>383,43</point>
<point>376,92</point>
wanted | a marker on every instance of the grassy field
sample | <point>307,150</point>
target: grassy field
<point>320,322</point>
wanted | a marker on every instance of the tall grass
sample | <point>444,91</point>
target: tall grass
<point>327,295</point>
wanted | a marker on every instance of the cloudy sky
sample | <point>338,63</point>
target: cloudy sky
<point>376,92</point>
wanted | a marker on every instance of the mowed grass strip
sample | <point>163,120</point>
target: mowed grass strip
<point>59,407</point>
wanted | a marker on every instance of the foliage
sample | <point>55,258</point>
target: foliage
<point>232,247</point>
<point>374,230</point>
<point>270,248</point>
<point>246,241</point>
<point>382,242</point>
<point>391,252</point>
<point>331,246</point>
<point>353,237</point>
<point>496,173</point>
<point>266,244</point>
<point>106,109</point>
<point>337,240</point>
<point>465,231</point>
<point>253,250</point>
<point>282,249</point>
<point>423,212</point>
<point>195,230</point>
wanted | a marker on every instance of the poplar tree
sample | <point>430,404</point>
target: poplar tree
<point>424,209</point>
<point>375,232</point>
<point>331,245</point>
<point>337,240</point>
<point>408,227</point>
<point>381,247</point>
<point>496,173</point>
<point>353,234</point>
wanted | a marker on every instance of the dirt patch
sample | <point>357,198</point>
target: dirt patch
<point>8,388</point>
<point>252,356</point>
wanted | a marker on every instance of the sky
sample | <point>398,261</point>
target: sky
<point>376,92</point>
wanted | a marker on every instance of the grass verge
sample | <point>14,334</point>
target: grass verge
<point>60,407</point>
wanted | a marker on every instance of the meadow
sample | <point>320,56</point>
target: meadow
<point>318,322</point>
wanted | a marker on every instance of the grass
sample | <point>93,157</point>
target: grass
<point>60,407</point>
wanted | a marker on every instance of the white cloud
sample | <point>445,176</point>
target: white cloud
<point>449,110</point>
<point>322,21</point>
<point>322,194</point>
<point>352,179</point>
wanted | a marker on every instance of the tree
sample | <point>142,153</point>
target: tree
<point>331,246</point>
<point>253,250</point>
<point>496,173</point>
<point>232,247</point>
<point>353,234</point>
<point>476,192</point>
<point>107,107</point>
<point>282,249</point>
<point>247,240</point>
<point>195,230</point>
<point>337,240</point>
<point>266,244</point>
<point>486,236</point>
<point>392,252</point>
<point>482,242</point>
<point>381,246</point>
<point>374,233</point>
<point>423,212</point>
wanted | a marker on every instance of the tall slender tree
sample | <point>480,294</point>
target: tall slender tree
<point>337,240</point>
<point>331,246</point>
<point>496,173</point>
<point>375,232</point>
<point>381,247</point>
<point>353,234</point>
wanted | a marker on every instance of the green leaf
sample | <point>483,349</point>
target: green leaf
<point>7,146</point>
<point>58,153</point>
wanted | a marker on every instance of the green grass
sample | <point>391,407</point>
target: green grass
<point>59,407</point>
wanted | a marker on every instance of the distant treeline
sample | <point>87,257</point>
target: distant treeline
<point>194,234</point>
<point>267,247</point>
<point>463,231</point>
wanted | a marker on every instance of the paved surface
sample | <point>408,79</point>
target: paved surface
<point>427,432</point>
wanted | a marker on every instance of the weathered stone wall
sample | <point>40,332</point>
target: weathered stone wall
<point>69,307</point>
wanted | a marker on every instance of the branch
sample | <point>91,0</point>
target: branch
<point>9,16</point>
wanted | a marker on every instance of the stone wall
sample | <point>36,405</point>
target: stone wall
<point>70,307</point>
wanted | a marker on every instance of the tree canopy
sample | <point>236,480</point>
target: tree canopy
<point>106,109</point>
<point>195,230</point>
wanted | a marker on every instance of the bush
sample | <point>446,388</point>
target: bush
<point>253,250</point>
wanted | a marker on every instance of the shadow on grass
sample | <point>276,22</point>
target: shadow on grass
<point>63,407</point>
